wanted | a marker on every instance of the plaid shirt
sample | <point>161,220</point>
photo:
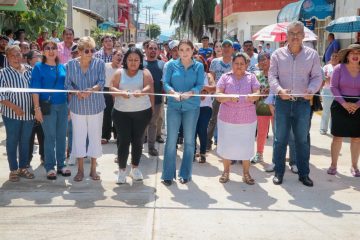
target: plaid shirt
<point>102,55</point>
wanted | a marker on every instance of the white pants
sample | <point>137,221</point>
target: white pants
<point>87,126</point>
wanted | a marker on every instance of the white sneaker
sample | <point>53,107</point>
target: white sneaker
<point>136,174</point>
<point>121,179</point>
<point>294,169</point>
<point>270,168</point>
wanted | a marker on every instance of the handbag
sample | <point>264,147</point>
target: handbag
<point>262,109</point>
<point>45,105</point>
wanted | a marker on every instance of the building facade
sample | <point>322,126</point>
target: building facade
<point>106,8</point>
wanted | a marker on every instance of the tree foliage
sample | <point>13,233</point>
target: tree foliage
<point>193,14</point>
<point>155,30</point>
<point>97,33</point>
<point>49,14</point>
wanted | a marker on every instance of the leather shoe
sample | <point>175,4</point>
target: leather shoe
<point>159,139</point>
<point>153,152</point>
<point>277,180</point>
<point>306,181</point>
<point>183,181</point>
<point>167,182</point>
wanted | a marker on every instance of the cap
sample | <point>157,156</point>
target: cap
<point>227,42</point>
<point>173,44</point>
<point>237,46</point>
<point>74,48</point>
<point>3,37</point>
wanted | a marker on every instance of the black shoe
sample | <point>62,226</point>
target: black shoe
<point>159,139</point>
<point>167,182</point>
<point>202,158</point>
<point>153,152</point>
<point>306,181</point>
<point>145,139</point>
<point>183,181</point>
<point>277,180</point>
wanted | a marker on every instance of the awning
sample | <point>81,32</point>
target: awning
<point>19,5</point>
<point>90,13</point>
<point>307,9</point>
<point>108,24</point>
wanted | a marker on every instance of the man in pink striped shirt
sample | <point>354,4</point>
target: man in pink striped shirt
<point>294,75</point>
<point>64,48</point>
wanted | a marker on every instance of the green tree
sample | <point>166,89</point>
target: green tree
<point>97,33</point>
<point>49,14</point>
<point>155,30</point>
<point>193,14</point>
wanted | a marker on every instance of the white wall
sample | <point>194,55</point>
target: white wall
<point>244,20</point>
<point>82,24</point>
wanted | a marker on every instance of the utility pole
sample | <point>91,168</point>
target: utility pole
<point>69,18</point>
<point>149,8</point>
<point>137,19</point>
<point>222,20</point>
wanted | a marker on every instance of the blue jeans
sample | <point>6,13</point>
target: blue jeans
<point>54,127</point>
<point>326,103</point>
<point>293,115</point>
<point>18,134</point>
<point>292,149</point>
<point>201,128</point>
<point>174,118</point>
<point>70,136</point>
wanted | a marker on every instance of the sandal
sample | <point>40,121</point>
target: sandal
<point>224,177</point>
<point>355,172</point>
<point>332,171</point>
<point>248,179</point>
<point>94,176</point>
<point>13,176</point>
<point>51,175</point>
<point>65,172</point>
<point>23,172</point>
<point>79,177</point>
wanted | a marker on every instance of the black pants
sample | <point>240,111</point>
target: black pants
<point>37,129</point>
<point>132,126</point>
<point>107,126</point>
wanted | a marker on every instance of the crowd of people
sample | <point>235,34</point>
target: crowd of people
<point>83,97</point>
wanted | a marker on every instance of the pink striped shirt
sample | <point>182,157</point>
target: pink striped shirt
<point>241,112</point>
<point>298,73</point>
<point>64,53</point>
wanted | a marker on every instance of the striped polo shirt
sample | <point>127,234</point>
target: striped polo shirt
<point>77,80</point>
<point>11,78</point>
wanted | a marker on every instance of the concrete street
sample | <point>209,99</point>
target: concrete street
<point>202,209</point>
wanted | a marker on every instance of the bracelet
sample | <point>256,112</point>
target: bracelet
<point>36,108</point>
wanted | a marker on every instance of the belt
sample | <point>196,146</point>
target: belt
<point>294,99</point>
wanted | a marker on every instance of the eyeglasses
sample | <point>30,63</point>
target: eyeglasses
<point>87,51</point>
<point>50,48</point>
<point>295,34</point>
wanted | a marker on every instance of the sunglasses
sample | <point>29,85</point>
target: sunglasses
<point>50,48</point>
<point>87,51</point>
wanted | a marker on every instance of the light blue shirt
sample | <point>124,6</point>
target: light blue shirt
<point>182,80</point>
<point>77,80</point>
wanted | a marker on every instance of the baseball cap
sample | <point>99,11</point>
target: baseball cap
<point>74,48</point>
<point>227,42</point>
<point>173,44</point>
<point>237,46</point>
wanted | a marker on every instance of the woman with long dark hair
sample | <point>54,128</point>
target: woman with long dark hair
<point>132,111</point>
<point>51,109</point>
